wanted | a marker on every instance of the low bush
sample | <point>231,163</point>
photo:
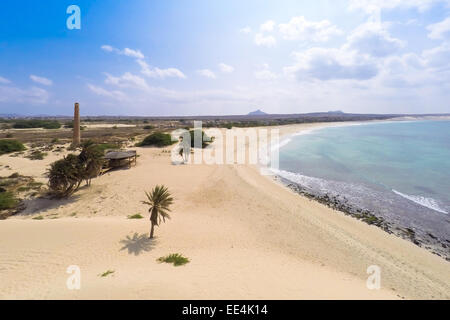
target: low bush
<point>9,146</point>
<point>36,155</point>
<point>7,200</point>
<point>31,124</point>
<point>135,216</point>
<point>106,273</point>
<point>157,139</point>
<point>175,258</point>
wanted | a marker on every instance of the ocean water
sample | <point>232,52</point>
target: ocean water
<point>400,170</point>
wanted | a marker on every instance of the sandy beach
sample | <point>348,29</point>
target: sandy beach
<point>247,237</point>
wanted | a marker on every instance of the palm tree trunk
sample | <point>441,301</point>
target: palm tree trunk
<point>152,230</point>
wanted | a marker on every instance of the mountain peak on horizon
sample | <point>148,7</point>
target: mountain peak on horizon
<point>257,113</point>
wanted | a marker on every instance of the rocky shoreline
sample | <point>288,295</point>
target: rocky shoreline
<point>421,238</point>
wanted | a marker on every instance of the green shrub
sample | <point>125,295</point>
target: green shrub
<point>30,124</point>
<point>65,176</point>
<point>36,155</point>
<point>135,216</point>
<point>148,127</point>
<point>7,200</point>
<point>9,146</point>
<point>157,139</point>
<point>175,258</point>
<point>68,125</point>
<point>38,218</point>
<point>106,146</point>
<point>106,273</point>
<point>23,189</point>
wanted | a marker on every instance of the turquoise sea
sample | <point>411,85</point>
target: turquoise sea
<point>400,170</point>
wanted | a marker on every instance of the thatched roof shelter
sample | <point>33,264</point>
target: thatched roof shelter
<point>120,155</point>
<point>120,158</point>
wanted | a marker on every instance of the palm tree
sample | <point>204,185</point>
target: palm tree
<point>91,157</point>
<point>159,201</point>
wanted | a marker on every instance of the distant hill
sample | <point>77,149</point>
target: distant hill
<point>257,113</point>
<point>336,112</point>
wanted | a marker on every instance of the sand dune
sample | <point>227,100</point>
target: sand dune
<point>247,237</point>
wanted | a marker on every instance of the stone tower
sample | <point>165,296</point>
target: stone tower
<point>76,125</point>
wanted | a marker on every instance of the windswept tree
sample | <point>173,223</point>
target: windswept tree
<point>159,200</point>
<point>91,159</point>
<point>65,176</point>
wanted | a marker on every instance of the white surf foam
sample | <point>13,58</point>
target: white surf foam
<point>429,203</point>
<point>305,181</point>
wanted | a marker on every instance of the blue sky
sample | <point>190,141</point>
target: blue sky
<point>200,57</point>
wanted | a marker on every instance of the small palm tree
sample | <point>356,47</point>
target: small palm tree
<point>159,201</point>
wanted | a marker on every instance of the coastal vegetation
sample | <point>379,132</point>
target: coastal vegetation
<point>135,216</point>
<point>175,258</point>
<point>9,146</point>
<point>159,200</point>
<point>106,273</point>
<point>66,175</point>
<point>91,159</point>
<point>7,200</point>
<point>36,155</point>
<point>107,146</point>
<point>34,123</point>
<point>12,189</point>
<point>157,139</point>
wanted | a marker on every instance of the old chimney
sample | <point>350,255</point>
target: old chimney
<point>76,125</point>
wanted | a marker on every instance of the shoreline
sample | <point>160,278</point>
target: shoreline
<point>340,203</point>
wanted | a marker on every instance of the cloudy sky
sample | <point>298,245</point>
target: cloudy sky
<point>203,57</point>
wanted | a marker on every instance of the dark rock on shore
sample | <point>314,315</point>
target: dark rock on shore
<point>425,239</point>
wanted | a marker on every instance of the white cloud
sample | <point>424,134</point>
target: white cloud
<point>331,64</point>
<point>246,30</point>
<point>32,95</point>
<point>114,94</point>
<point>225,68</point>
<point>267,26</point>
<point>41,80</point>
<point>126,52</point>
<point>107,48</point>
<point>438,58</point>
<point>207,73</point>
<point>374,39</point>
<point>266,41</point>
<point>160,73</point>
<point>370,6</point>
<point>265,74</point>
<point>127,80</point>
<point>146,69</point>
<point>133,53</point>
<point>4,80</point>
<point>298,28</point>
<point>440,30</point>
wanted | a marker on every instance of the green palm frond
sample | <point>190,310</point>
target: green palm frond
<point>159,202</point>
